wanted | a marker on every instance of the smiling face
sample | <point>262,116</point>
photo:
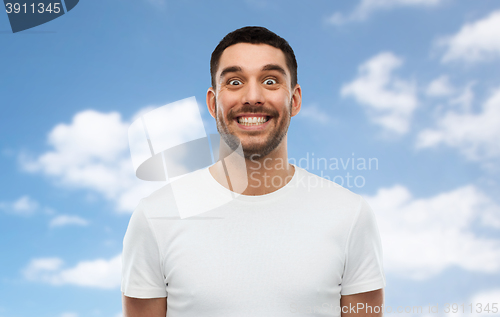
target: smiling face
<point>253,101</point>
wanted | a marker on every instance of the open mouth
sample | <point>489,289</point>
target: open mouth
<point>252,121</point>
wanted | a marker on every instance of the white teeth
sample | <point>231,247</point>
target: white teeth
<point>252,120</point>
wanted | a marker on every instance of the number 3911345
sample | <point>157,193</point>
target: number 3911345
<point>32,8</point>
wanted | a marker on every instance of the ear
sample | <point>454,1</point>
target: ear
<point>211,101</point>
<point>296,100</point>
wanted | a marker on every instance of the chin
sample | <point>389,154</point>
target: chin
<point>257,152</point>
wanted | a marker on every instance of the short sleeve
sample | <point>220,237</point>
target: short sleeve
<point>363,270</point>
<point>142,275</point>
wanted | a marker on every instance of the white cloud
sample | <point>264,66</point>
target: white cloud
<point>92,152</point>
<point>365,8</point>
<point>475,135</point>
<point>423,236</point>
<point>478,303</point>
<point>42,265</point>
<point>65,220</point>
<point>440,87</point>
<point>69,314</point>
<point>314,113</point>
<point>389,101</point>
<point>487,297</point>
<point>24,206</point>
<point>465,99</point>
<point>475,42</point>
<point>100,273</point>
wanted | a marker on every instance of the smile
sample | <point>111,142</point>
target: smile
<point>253,122</point>
<point>249,121</point>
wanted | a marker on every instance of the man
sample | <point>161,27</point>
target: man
<point>289,244</point>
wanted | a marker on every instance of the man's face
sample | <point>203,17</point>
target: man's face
<point>253,101</point>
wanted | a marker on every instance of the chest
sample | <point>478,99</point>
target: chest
<point>273,262</point>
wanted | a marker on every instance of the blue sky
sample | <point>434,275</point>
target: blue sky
<point>413,84</point>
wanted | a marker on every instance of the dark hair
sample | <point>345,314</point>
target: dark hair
<point>254,35</point>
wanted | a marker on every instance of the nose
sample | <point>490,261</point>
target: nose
<point>253,94</point>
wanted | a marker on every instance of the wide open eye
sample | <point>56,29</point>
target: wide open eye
<point>270,81</point>
<point>234,82</point>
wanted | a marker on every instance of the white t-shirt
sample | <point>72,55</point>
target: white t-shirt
<point>294,251</point>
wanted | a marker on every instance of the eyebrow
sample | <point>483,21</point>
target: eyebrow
<point>275,67</point>
<point>230,69</point>
<point>236,69</point>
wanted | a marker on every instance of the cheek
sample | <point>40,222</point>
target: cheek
<point>282,100</point>
<point>225,102</point>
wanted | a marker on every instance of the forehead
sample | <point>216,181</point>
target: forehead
<point>251,56</point>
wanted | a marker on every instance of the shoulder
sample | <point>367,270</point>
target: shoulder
<point>163,202</point>
<point>327,191</point>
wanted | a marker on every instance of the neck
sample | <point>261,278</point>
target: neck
<point>255,175</point>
